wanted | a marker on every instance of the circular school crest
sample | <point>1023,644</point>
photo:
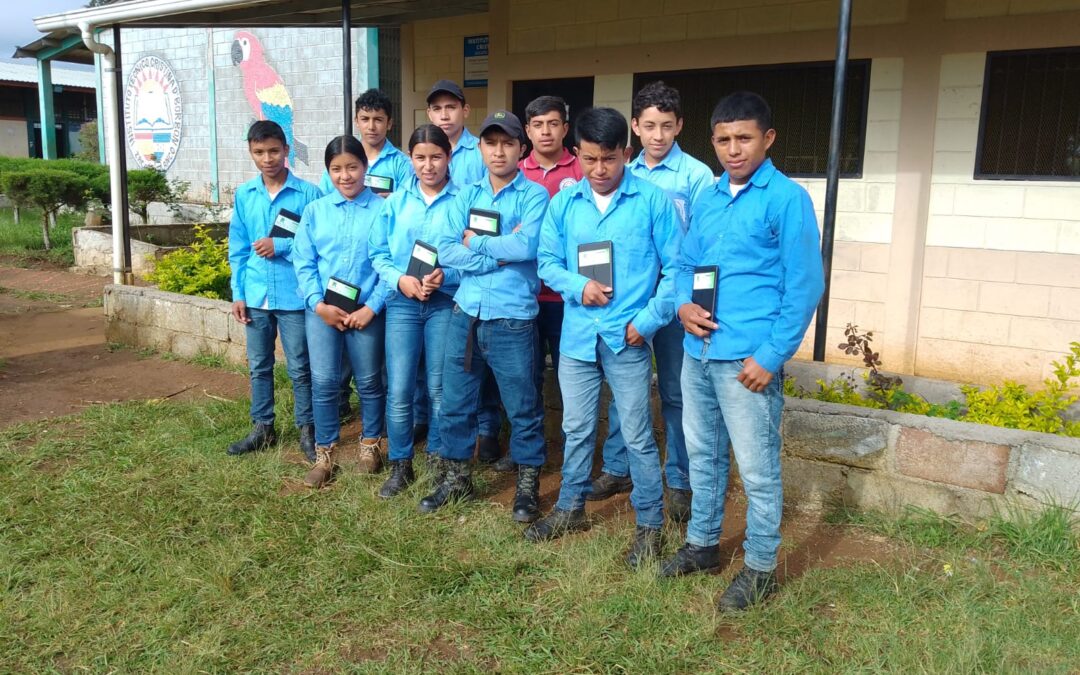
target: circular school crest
<point>567,183</point>
<point>153,113</point>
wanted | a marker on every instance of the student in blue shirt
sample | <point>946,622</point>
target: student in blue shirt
<point>757,227</point>
<point>264,287</point>
<point>490,238</point>
<point>417,309</point>
<point>606,328</point>
<point>657,119</point>
<point>333,268</point>
<point>374,119</point>
<point>447,109</point>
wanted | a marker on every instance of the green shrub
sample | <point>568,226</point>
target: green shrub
<point>201,269</point>
<point>145,186</point>
<point>48,190</point>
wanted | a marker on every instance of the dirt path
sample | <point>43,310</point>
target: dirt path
<point>54,360</point>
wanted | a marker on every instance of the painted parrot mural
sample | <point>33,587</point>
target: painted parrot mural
<point>265,90</point>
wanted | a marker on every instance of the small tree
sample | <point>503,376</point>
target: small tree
<point>47,189</point>
<point>145,186</point>
<point>88,139</point>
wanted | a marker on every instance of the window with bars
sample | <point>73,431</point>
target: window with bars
<point>800,96</point>
<point>1029,128</point>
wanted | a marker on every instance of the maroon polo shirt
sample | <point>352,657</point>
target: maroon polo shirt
<point>565,173</point>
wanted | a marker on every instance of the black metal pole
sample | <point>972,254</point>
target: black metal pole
<point>832,182</point>
<point>346,61</point>
<point>125,218</point>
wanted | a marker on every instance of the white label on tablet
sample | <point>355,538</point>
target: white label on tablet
<point>483,223</point>
<point>599,256</point>
<point>424,255</point>
<point>704,281</point>
<point>286,223</point>
<point>342,289</point>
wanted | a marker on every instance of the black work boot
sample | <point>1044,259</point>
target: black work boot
<point>556,524</point>
<point>487,449</point>
<point>749,587</point>
<point>646,546</point>
<point>456,484</point>
<point>678,507</point>
<point>690,559</point>
<point>307,442</point>
<point>606,485</point>
<point>401,476</point>
<point>505,465</point>
<point>527,497</point>
<point>261,437</point>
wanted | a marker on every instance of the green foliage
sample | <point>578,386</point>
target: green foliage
<point>88,139</point>
<point>201,269</point>
<point>1011,404</point>
<point>48,190</point>
<point>145,186</point>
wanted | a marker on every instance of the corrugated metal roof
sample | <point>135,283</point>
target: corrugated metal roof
<point>27,72</point>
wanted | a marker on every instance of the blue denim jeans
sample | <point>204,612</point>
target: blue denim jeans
<point>490,414</point>
<point>549,330</point>
<point>262,333</point>
<point>364,349</point>
<point>628,374</point>
<point>502,351</point>
<point>668,348</point>
<point>721,411</point>
<point>413,329</point>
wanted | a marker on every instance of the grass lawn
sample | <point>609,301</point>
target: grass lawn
<point>129,542</point>
<point>23,241</point>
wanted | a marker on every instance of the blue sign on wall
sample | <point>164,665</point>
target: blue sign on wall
<point>476,61</point>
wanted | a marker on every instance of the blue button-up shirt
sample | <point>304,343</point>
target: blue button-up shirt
<point>681,176</point>
<point>391,163</point>
<point>765,243</point>
<point>265,283</point>
<point>332,241</point>
<point>643,227</point>
<point>489,290</point>
<point>466,164</point>
<point>406,217</point>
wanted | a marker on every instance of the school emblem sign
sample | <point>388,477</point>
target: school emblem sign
<point>153,113</point>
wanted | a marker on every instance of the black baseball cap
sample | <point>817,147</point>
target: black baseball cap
<point>504,120</point>
<point>446,87</point>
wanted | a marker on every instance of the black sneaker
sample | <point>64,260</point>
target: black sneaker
<point>261,437</point>
<point>556,524</point>
<point>678,506</point>
<point>401,476</point>
<point>646,546</point>
<point>749,587</point>
<point>690,559</point>
<point>606,485</point>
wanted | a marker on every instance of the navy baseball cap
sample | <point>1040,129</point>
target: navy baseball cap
<point>446,87</point>
<point>504,120</point>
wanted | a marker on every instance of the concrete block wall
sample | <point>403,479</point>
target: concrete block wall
<point>1001,279</point>
<point>874,459</point>
<point>438,51</point>
<point>542,26</point>
<point>308,60</point>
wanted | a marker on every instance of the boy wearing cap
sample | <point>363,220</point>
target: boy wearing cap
<point>755,234</point>
<point>388,167</point>
<point>603,246</point>
<point>657,120</point>
<point>448,110</point>
<point>491,237</point>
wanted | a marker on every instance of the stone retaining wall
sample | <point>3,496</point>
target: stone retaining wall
<point>866,458</point>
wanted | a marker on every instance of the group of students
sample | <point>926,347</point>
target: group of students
<point>454,269</point>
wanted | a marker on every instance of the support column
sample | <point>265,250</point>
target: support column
<point>45,107</point>
<point>211,97</point>
<point>346,63</point>
<point>371,40</point>
<point>98,95</point>
<point>121,159</point>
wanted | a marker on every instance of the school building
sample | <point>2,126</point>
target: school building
<point>958,224</point>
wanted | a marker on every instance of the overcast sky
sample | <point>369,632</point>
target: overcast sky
<point>17,28</point>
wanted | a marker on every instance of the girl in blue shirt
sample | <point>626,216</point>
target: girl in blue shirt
<point>332,263</point>
<point>417,310</point>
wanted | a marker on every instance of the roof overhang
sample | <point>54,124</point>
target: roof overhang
<point>58,45</point>
<point>255,13</point>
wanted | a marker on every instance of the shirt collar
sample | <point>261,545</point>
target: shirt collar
<point>291,183</point>
<point>466,140</point>
<point>387,150</point>
<point>628,186</point>
<point>517,184</point>
<point>760,178</point>
<point>362,199</point>
<point>413,186</point>
<point>672,160</point>
<point>566,159</point>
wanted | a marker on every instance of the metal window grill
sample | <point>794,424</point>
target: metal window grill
<point>1030,122</point>
<point>390,76</point>
<point>800,96</point>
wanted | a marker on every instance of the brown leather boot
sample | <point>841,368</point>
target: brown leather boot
<point>371,455</point>
<point>324,466</point>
